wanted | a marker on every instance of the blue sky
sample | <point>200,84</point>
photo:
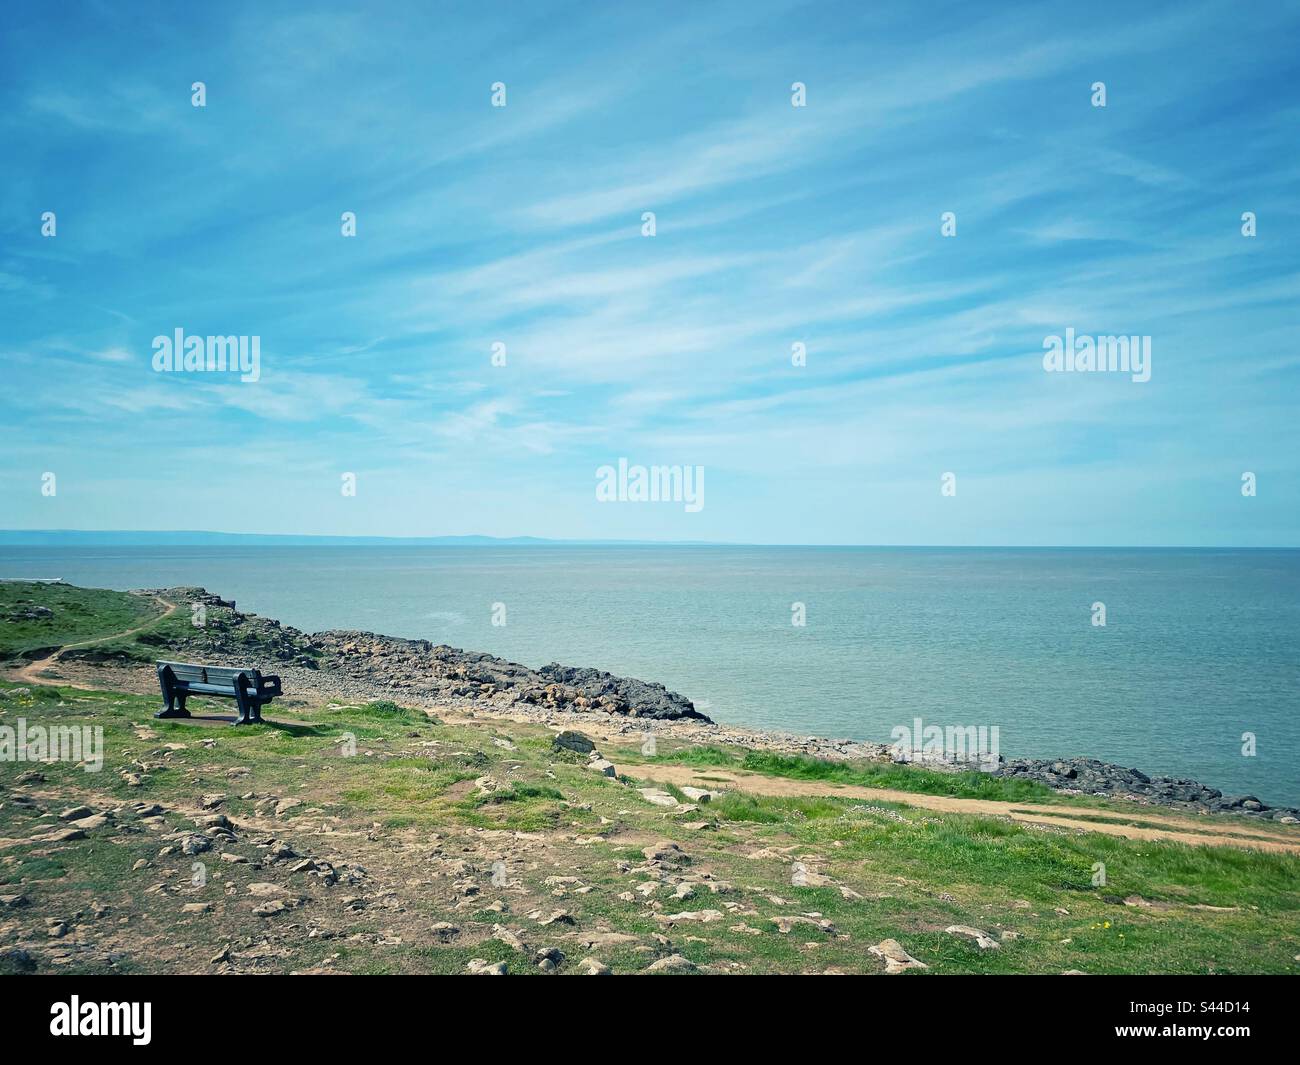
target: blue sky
<point>775,225</point>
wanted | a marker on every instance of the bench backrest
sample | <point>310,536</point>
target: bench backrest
<point>193,673</point>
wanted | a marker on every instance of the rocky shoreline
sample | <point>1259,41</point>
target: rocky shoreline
<point>361,666</point>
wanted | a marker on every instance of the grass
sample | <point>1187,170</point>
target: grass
<point>78,614</point>
<point>968,785</point>
<point>917,874</point>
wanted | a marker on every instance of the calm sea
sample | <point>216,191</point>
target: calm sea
<point>1199,647</point>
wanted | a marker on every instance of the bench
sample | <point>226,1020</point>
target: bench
<point>250,690</point>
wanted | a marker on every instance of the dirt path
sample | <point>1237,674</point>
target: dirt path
<point>30,673</point>
<point>1172,827</point>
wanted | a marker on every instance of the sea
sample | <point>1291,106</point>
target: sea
<point>1195,671</point>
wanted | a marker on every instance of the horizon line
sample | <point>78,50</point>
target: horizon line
<point>26,538</point>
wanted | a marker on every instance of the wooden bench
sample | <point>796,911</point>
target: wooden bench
<point>250,690</point>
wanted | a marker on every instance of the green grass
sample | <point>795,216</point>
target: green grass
<point>967,785</point>
<point>79,614</point>
<point>917,872</point>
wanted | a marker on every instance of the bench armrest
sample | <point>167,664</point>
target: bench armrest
<point>270,686</point>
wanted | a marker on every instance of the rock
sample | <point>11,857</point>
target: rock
<point>197,907</point>
<point>66,835</point>
<point>264,890</point>
<point>483,967</point>
<point>558,917</point>
<point>674,963</point>
<point>504,935</point>
<point>657,796</point>
<point>785,924</point>
<point>76,813</point>
<point>19,959</point>
<point>604,940</point>
<point>666,851</point>
<point>702,916</point>
<point>444,932</point>
<point>195,843</point>
<point>549,959</point>
<point>234,859</point>
<point>222,955</point>
<point>697,794</point>
<point>896,959</point>
<point>604,767</point>
<point>568,740</point>
<point>93,821</point>
<point>12,902</point>
<point>593,967</point>
<point>982,939</point>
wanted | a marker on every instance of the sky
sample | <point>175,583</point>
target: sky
<point>774,225</point>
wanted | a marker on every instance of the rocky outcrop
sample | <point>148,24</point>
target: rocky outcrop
<point>1088,776</point>
<point>415,669</point>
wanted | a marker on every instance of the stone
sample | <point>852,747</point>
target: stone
<point>593,967</point>
<point>66,835</point>
<point>674,963</point>
<point>75,813</point>
<point>657,796</point>
<point>267,890</point>
<point>483,967</point>
<point>443,931</point>
<point>197,907</point>
<point>702,916</point>
<point>504,935</point>
<point>666,851</point>
<point>568,740</point>
<point>698,794</point>
<point>19,959</point>
<point>784,924</point>
<point>896,959</point>
<point>195,843</point>
<point>982,939</point>
<point>606,940</point>
<point>604,767</point>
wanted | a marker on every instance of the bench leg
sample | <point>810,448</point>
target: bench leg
<point>172,709</point>
<point>245,706</point>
